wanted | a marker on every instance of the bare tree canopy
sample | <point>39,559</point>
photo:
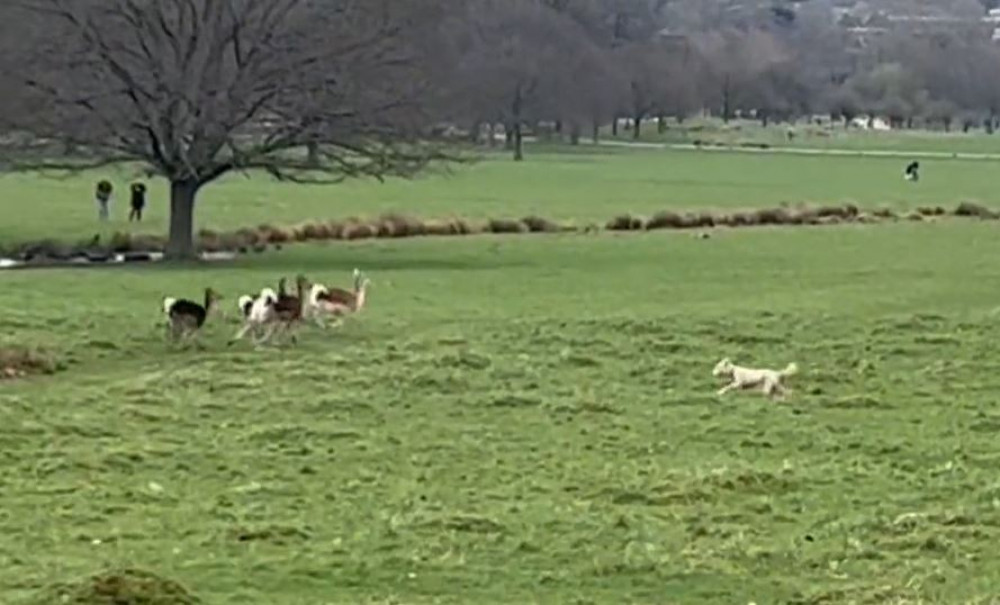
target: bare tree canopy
<point>322,90</point>
<point>197,89</point>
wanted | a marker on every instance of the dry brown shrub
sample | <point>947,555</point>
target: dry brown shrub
<point>43,249</point>
<point>124,587</point>
<point>208,233</point>
<point>337,228</point>
<point>701,219</point>
<point>914,216</point>
<point>120,242</point>
<point>251,236</point>
<point>210,242</point>
<point>666,219</point>
<point>439,228</point>
<point>773,216</point>
<point>867,219</point>
<point>932,211</point>
<point>347,226</point>
<point>398,225</point>
<point>227,240</point>
<point>976,210</point>
<point>846,212</point>
<point>298,233</point>
<point>537,224</point>
<point>274,235</point>
<point>18,362</point>
<point>802,216</point>
<point>463,227</point>
<point>316,230</point>
<point>355,231</point>
<point>885,213</point>
<point>505,225</point>
<point>625,222</point>
<point>830,220</point>
<point>741,219</point>
<point>145,242</point>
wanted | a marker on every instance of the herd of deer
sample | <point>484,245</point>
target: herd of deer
<point>269,312</point>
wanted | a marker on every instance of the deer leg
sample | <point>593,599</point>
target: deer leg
<point>269,334</point>
<point>239,335</point>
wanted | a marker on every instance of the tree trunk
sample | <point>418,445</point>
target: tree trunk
<point>727,108</point>
<point>574,134</point>
<point>518,143</point>
<point>508,137</point>
<point>491,132</point>
<point>518,122</point>
<point>637,127</point>
<point>614,127</point>
<point>595,132</point>
<point>312,149</point>
<point>180,245</point>
<point>661,124</point>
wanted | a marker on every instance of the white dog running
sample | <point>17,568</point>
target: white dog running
<point>770,382</point>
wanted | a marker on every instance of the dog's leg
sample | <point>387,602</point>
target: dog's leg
<point>727,388</point>
<point>774,390</point>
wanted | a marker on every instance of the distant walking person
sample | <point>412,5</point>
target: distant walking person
<point>138,202</point>
<point>912,172</point>
<point>103,196</point>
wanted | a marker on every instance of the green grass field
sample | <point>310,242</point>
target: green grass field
<point>583,186</point>
<point>525,419</point>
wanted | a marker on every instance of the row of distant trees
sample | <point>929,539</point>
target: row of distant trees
<point>330,89</point>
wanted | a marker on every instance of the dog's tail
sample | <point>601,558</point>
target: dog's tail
<point>792,369</point>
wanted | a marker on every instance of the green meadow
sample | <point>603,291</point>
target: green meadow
<point>583,185</point>
<point>522,418</point>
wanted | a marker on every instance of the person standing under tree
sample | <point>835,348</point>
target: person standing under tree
<point>103,196</point>
<point>138,202</point>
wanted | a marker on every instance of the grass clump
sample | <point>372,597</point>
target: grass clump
<point>19,362</point>
<point>625,222</point>
<point>537,224</point>
<point>398,225</point>
<point>667,219</point>
<point>124,587</point>
<point>504,225</point>
<point>975,210</point>
<point>355,229</point>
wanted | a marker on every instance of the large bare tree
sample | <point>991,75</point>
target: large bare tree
<point>195,89</point>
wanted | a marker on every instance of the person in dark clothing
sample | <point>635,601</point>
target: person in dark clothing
<point>912,171</point>
<point>103,197</point>
<point>138,202</point>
